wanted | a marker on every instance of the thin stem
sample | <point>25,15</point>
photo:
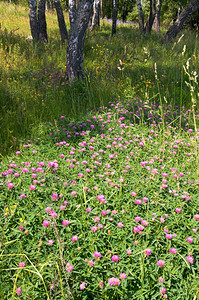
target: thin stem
<point>62,260</point>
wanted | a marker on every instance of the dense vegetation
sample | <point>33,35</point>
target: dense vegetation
<point>99,193</point>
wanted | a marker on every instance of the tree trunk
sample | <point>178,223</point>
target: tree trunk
<point>141,16</point>
<point>114,17</point>
<point>150,21</point>
<point>42,21</point>
<point>156,22</point>
<point>79,19</point>
<point>49,4</point>
<point>96,14</point>
<point>33,19</point>
<point>101,9</point>
<point>179,10</point>
<point>180,22</point>
<point>61,21</point>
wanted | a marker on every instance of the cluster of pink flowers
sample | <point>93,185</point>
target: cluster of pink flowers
<point>148,252</point>
<point>161,263</point>
<point>54,196</point>
<point>97,254</point>
<point>22,264</point>
<point>114,281</point>
<point>190,259</point>
<point>69,268</point>
<point>115,258</point>
<point>18,291</point>
<point>196,217</point>
<point>91,263</point>
<point>123,276</point>
<point>190,239</point>
<point>66,223</point>
<point>82,286</point>
<point>10,185</point>
<point>173,250</point>
<point>120,225</point>
<point>53,214</point>
<point>46,223</point>
<point>101,198</point>
<point>50,242</point>
<point>74,238</point>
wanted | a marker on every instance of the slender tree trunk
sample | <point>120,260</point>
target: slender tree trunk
<point>96,14</point>
<point>173,31</point>
<point>141,16</point>
<point>33,19</point>
<point>156,22</point>
<point>150,21</point>
<point>179,10</point>
<point>61,21</point>
<point>42,21</point>
<point>114,17</point>
<point>49,4</point>
<point>79,19</point>
<point>101,9</point>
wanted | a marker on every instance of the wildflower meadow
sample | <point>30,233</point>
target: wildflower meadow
<point>99,199</point>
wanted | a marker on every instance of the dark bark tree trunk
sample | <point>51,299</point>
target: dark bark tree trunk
<point>180,22</point>
<point>179,10</point>
<point>114,17</point>
<point>61,21</point>
<point>101,9</point>
<point>156,22</point>
<point>96,14</point>
<point>49,5</point>
<point>141,16</point>
<point>38,20</point>
<point>79,19</point>
<point>150,21</point>
<point>42,21</point>
<point>33,19</point>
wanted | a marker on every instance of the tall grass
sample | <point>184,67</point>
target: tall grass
<point>34,88</point>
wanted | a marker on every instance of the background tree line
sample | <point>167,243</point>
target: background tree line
<point>127,9</point>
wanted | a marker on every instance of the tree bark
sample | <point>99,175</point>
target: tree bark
<point>61,21</point>
<point>101,9</point>
<point>96,14</point>
<point>49,5</point>
<point>33,19</point>
<point>43,37</point>
<point>173,31</point>
<point>79,19</point>
<point>114,17</point>
<point>156,22</point>
<point>141,16</point>
<point>179,10</point>
<point>150,21</point>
